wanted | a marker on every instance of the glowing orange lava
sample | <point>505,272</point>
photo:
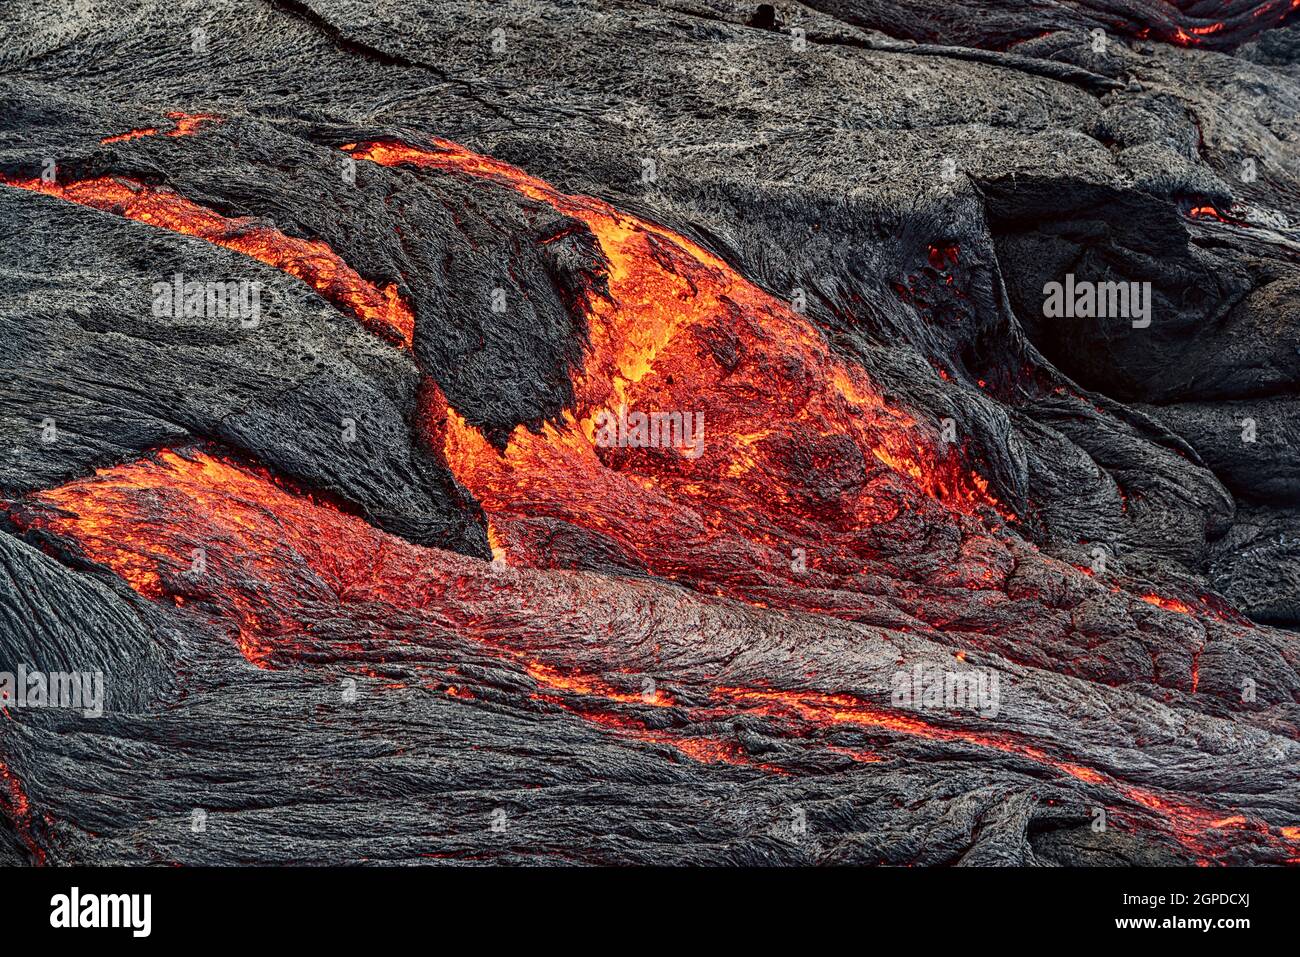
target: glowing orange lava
<point>800,451</point>
<point>1169,604</point>
<point>266,561</point>
<point>1206,211</point>
<point>1192,826</point>
<point>1240,21</point>
<point>183,124</point>
<point>808,477</point>
<point>590,685</point>
<point>193,527</point>
<point>131,135</point>
<point>384,311</point>
<point>15,805</point>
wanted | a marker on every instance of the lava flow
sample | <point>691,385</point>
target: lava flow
<point>1195,827</point>
<point>277,563</point>
<point>810,491</point>
<point>384,311</point>
<point>15,806</point>
<point>1224,24</point>
<point>275,560</point>
<point>798,462</point>
<point>806,483</point>
<point>183,124</point>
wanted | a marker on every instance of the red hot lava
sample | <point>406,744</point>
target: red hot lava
<point>1219,25</point>
<point>384,311</point>
<point>183,124</point>
<point>812,491</point>
<point>804,463</point>
<point>277,561</point>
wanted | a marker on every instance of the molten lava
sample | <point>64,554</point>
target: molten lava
<point>183,124</point>
<point>384,311</point>
<point>804,463</point>
<point>274,559</point>
<point>1206,211</point>
<point>1169,604</point>
<point>811,489</point>
<point>1191,825</point>
<point>1221,25</point>
<point>268,562</point>
<point>15,806</point>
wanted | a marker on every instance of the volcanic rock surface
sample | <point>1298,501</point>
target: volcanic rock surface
<point>365,584</point>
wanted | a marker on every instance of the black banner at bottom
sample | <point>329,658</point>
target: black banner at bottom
<point>374,904</point>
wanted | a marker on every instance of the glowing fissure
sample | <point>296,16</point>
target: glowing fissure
<point>1236,23</point>
<point>1207,211</point>
<point>15,805</point>
<point>1189,824</point>
<point>1169,604</point>
<point>382,310</point>
<point>183,124</point>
